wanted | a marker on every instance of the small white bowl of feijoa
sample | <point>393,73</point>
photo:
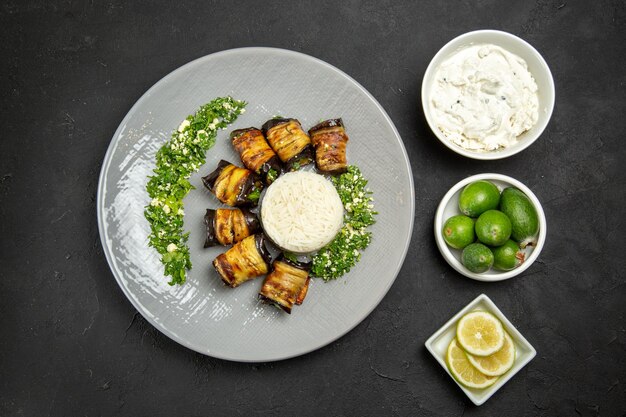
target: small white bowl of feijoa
<point>490,227</point>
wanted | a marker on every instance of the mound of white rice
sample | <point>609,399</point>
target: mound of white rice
<point>301,212</point>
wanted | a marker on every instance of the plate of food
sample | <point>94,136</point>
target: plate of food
<point>256,204</point>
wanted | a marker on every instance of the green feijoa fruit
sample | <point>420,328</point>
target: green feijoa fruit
<point>458,231</point>
<point>478,197</point>
<point>493,228</point>
<point>523,216</point>
<point>477,257</point>
<point>508,256</point>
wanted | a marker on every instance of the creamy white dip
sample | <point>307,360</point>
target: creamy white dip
<point>484,98</point>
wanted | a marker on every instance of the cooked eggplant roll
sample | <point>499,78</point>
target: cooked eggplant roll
<point>233,185</point>
<point>287,284</point>
<point>228,226</point>
<point>290,142</point>
<point>256,154</point>
<point>330,140</point>
<point>246,260</point>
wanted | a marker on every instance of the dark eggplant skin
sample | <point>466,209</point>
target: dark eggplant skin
<point>273,123</point>
<point>305,266</point>
<point>330,141</point>
<point>209,222</point>
<point>238,132</point>
<point>254,225</point>
<point>259,240</point>
<point>225,271</point>
<point>211,219</point>
<point>268,300</point>
<point>326,124</point>
<point>272,164</point>
<point>209,180</point>
<point>303,158</point>
<point>251,183</point>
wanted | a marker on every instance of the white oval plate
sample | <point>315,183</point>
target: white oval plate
<point>203,314</point>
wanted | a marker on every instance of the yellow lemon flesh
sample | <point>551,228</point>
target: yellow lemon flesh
<point>480,333</point>
<point>463,371</point>
<point>498,363</point>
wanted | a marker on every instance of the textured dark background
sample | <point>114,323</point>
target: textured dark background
<point>70,342</point>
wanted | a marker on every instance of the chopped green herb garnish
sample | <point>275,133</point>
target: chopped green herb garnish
<point>254,196</point>
<point>336,258</point>
<point>295,166</point>
<point>181,156</point>
<point>271,176</point>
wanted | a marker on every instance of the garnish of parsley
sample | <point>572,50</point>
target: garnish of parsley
<point>181,156</point>
<point>336,258</point>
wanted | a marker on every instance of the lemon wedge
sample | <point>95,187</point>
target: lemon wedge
<point>463,371</point>
<point>498,363</point>
<point>480,333</point>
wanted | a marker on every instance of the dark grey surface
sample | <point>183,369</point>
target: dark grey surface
<point>71,344</point>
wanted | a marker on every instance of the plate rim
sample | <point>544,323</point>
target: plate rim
<point>108,159</point>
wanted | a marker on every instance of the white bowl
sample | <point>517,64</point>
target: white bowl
<point>537,67</point>
<point>449,206</point>
<point>438,343</point>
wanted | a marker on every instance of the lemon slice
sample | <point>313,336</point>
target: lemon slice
<point>480,333</point>
<point>498,363</point>
<point>463,371</point>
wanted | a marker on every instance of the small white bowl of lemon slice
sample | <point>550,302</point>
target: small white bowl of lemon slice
<point>480,349</point>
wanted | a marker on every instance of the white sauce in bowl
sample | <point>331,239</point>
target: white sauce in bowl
<point>484,98</point>
<point>301,212</point>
